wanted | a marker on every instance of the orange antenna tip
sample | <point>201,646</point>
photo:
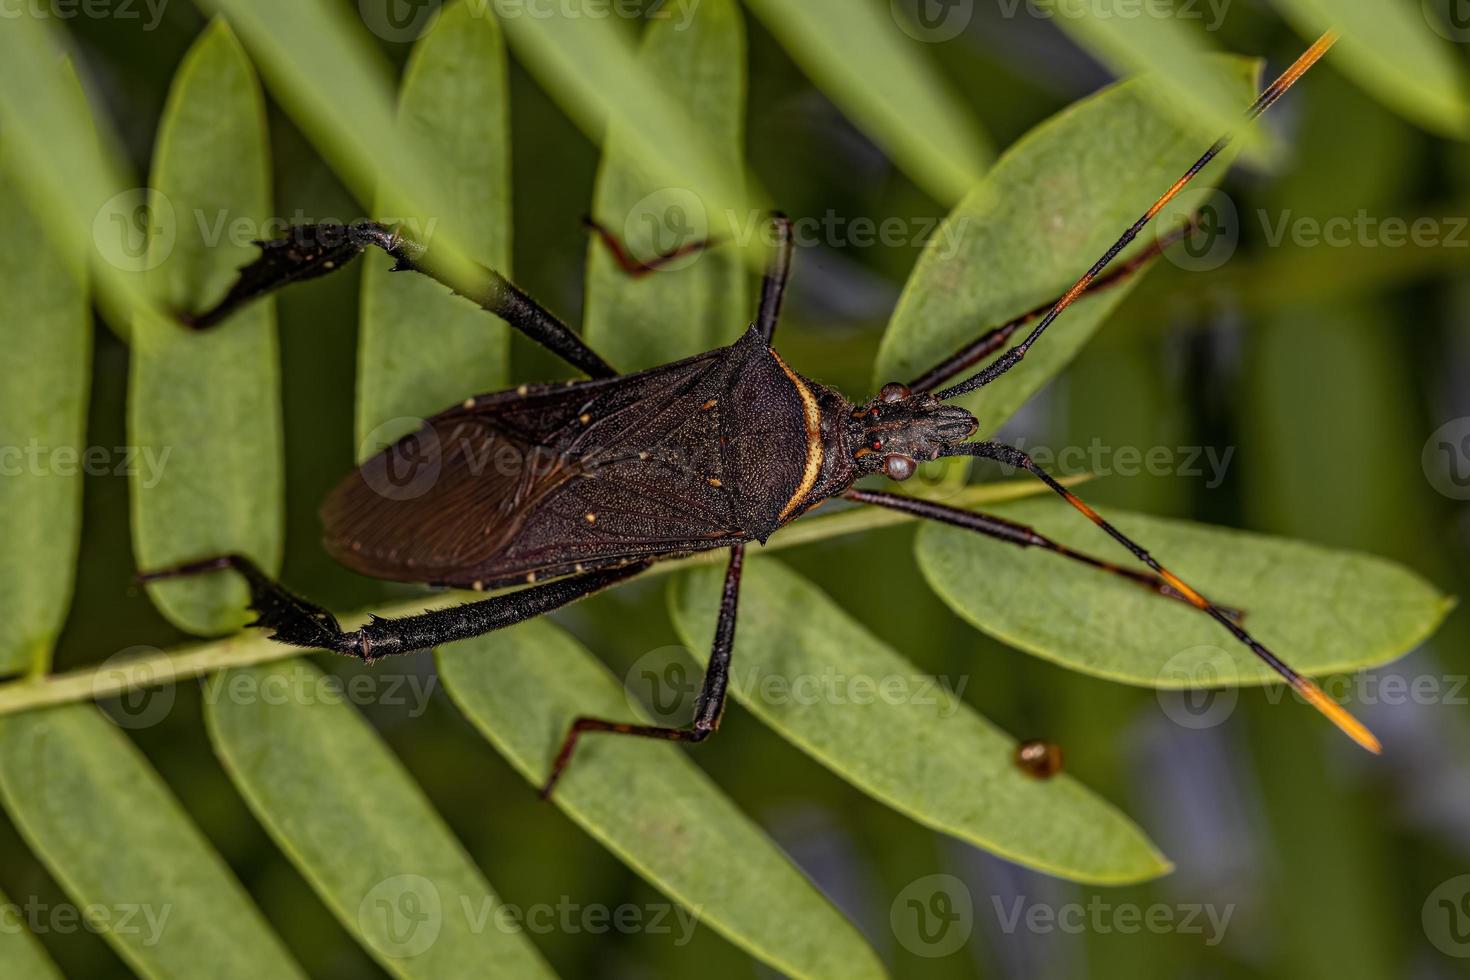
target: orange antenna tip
<point>1338,715</point>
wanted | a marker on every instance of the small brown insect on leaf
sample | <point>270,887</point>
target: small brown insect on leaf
<point>1038,758</point>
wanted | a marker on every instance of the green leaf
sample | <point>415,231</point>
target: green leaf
<point>700,302</point>
<point>646,801</point>
<point>21,955</point>
<point>47,366</point>
<point>421,348</point>
<point>1048,209</point>
<point>874,65</point>
<point>808,670</point>
<point>589,64</point>
<point>204,406</point>
<point>70,172</point>
<point>106,826</point>
<point>1390,50</point>
<point>1322,611</point>
<point>1195,88</point>
<point>358,828</point>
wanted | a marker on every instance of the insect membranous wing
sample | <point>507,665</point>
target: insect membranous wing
<point>540,481</point>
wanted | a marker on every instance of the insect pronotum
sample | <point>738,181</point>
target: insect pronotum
<point>594,480</point>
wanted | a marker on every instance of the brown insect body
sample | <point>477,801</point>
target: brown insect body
<point>544,481</point>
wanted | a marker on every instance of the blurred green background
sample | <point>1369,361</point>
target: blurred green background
<point>1322,369</point>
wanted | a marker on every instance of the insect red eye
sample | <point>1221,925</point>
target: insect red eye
<point>893,392</point>
<point>898,467</point>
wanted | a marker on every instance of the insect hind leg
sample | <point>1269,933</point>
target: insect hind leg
<point>292,619</point>
<point>311,251</point>
<point>296,622</point>
<point>708,709</point>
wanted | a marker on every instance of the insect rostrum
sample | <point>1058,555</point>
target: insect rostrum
<point>568,488</point>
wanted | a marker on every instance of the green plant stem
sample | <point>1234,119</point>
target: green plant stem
<point>243,649</point>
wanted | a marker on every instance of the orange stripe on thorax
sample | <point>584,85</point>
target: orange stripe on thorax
<point>812,417</point>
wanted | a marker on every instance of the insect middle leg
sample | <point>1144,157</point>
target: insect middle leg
<point>637,268</point>
<point>296,622</point>
<point>1018,534</point>
<point>773,283</point>
<point>708,708</point>
<point>311,251</point>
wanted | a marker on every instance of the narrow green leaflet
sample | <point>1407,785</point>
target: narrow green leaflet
<point>322,63</point>
<point>1392,51</point>
<point>806,668</point>
<point>420,348</point>
<point>1322,611</point>
<point>70,172</point>
<point>1197,89</point>
<point>106,826</point>
<point>341,805</point>
<point>204,406</point>
<point>646,802</point>
<point>589,63</point>
<point>874,63</point>
<point>47,366</point>
<point>21,954</point>
<point>700,301</point>
<point>1046,211</point>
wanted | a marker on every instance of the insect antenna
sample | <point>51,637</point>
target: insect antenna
<point>1304,686</point>
<point>1263,102</point>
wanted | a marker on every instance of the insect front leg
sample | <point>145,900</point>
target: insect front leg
<point>1011,456</point>
<point>296,622</point>
<point>707,709</point>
